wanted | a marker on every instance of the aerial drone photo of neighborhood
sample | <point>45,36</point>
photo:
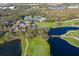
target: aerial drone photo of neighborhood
<point>39,29</point>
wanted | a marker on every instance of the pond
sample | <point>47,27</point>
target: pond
<point>59,47</point>
<point>11,48</point>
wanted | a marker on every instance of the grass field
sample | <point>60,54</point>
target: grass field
<point>73,33</point>
<point>70,23</point>
<point>56,24</point>
<point>73,41</point>
<point>36,47</point>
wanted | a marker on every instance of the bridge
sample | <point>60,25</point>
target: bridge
<point>54,36</point>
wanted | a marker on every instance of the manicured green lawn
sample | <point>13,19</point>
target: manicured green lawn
<point>38,47</point>
<point>73,33</point>
<point>70,22</point>
<point>55,24</point>
<point>47,24</point>
<point>44,24</point>
<point>71,40</point>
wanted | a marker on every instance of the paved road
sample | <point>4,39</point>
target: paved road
<point>64,36</point>
<point>54,35</point>
<point>27,45</point>
<point>73,37</point>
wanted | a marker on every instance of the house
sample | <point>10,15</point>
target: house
<point>27,18</point>
<point>56,7</point>
<point>20,25</point>
<point>12,7</point>
<point>73,6</point>
<point>4,7</point>
<point>35,18</point>
<point>8,7</point>
<point>40,19</point>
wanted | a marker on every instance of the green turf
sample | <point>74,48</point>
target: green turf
<point>73,33</point>
<point>38,47</point>
<point>56,24</point>
<point>70,22</point>
<point>72,41</point>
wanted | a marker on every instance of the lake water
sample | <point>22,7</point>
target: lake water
<point>11,48</point>
<point>58,46</point>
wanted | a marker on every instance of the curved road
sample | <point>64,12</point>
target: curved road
<point>26,47</point>
<point>73,37</point>
<point>62,36</point>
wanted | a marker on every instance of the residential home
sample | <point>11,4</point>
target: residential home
<point>56,7</point>
<point>12,7</point>
<point>8,7</point>
<point>41,19</point>
<point>35,18</point>
<point>27,18</point>
<point>73,6</point>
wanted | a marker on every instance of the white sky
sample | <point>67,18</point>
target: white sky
<point>39,1</point>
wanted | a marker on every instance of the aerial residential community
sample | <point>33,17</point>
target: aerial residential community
<point>39,29</point>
